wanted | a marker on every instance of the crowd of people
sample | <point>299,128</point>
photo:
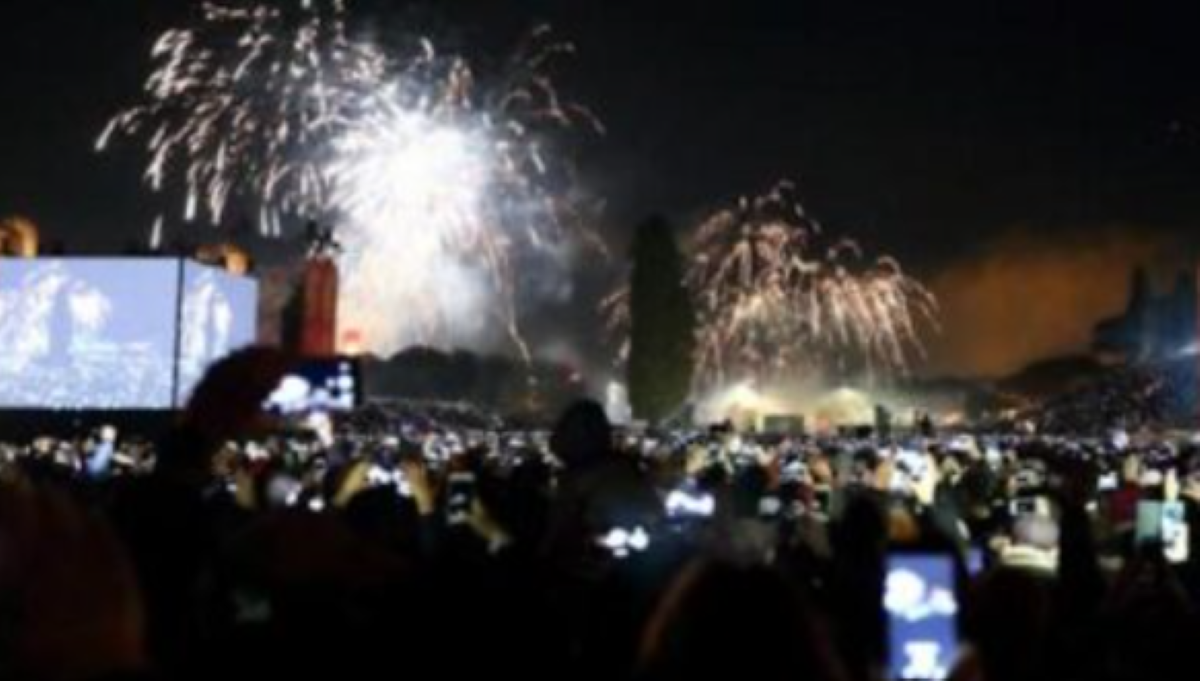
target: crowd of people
<point>1129,398</point>
<point>444,543</point>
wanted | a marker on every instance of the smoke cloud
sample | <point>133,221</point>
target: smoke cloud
<point>1028,297</point>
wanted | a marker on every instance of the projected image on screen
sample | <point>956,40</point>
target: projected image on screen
<point>219,316</point>
<point>87,334</point>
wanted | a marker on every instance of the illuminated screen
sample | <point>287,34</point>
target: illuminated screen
<point>219,315</point>
<point>329,385</point>
<point>105,333</point>
<point>922,613</point>
<point>87,333</point>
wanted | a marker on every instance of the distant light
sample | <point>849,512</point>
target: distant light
<point>746,396</point>
<point>352,342</point>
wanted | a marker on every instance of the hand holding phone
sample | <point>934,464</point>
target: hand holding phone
<point>922,615</point>
<point>416,475</point>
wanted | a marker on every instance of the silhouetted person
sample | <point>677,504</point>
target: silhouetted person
<point>600,488</point>
<point>720,617</point>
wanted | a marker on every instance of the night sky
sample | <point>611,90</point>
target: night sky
<point>973,139</point>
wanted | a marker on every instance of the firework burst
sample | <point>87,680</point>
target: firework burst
<point>440,182</point>
<point>776,297</point>
<point>454,178</point>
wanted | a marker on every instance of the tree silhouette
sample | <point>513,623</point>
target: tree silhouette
<point>662,324</point>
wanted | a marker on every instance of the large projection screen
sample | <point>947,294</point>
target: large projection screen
<point>88,333</point>
<point>219,315</point>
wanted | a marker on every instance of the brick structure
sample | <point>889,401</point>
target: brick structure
<point>318,324</point>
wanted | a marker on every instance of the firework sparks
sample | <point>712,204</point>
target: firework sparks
<point>439,184</point>
<point>775,296</point>
<point>242,107</point>
<point>448,185</point>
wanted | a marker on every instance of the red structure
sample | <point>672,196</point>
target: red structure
<point>318,324</point>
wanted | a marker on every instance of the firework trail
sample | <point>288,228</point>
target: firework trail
<point>440,183</point>
<point>776,297</point>
<point>242,107</point>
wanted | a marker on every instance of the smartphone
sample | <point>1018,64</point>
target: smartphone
<point>690,504</point>
<point>1176,534</point>
<point>1027,479</point>
<point>1148,528</point>
<point>922,615</point>
<point>327,385</point>
<point>1108,482</point>
<point>1164,523</point>
<point>460,496</point>
<point>1023,506</point>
